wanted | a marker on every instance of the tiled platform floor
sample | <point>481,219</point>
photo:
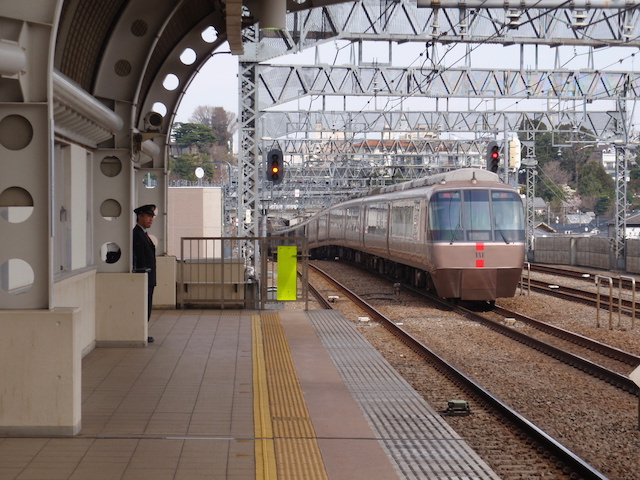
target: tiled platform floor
<point>179,409</point>
<point>183,408</point>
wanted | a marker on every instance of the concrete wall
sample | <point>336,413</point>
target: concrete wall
<point>555,250</point>
<point>593,252</point>
<point>80,291</point>
<point>164,295</point>
<point>121,310</point>
<point>40,392</point>
<point>633,255</point>
<point>193,212</point>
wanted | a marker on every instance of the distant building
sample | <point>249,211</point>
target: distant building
<point>195,212</point>
<point>609,160</point>
<point>540,207</point>
<point>632,227</point>
<point>543,230</point>
<point>580,218</point>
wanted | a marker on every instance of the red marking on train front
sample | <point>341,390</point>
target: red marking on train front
<point>479,263</point>
<point>479,246</point>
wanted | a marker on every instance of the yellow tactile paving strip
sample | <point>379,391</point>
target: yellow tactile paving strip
<point>285,436</point>
<point>263,426</point>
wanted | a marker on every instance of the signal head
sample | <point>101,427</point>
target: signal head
<point>493,156</point>
<point>274,166</point>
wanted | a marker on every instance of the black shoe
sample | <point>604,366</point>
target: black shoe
<point>150,340</point>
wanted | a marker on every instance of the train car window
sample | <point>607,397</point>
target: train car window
<point>322,226</point>
<point>445,216</point>
<point>353,219</point>
<point>376,219</point>
<point>402,224</point>
<point>508,218</point>
<point>477,214</point>
<point>312,230</point>
<point>336,223</point>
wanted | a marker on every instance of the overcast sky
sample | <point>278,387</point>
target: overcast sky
<point>215,85</point>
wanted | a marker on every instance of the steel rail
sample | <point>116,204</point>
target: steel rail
<point>577,274</point>
<point>616,379</point>
<point>321,299</point>
<point>602,348</point>
<point>562,272</point>
<point>563,456</point>
<point>580,295</point>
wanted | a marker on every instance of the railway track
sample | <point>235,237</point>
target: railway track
<point>558,454</point>
<point>603,298</point>
<point>576,294</point>
<point>562,272</point>
<point>622,356</point>
<point>610,376</point>
<point>623,281</point>
<point>614,378</point>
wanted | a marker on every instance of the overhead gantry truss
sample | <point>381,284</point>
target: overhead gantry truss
<point>282,83</point>
<point>499,100</point>
<point>555,23</point>
<point>303,125</point>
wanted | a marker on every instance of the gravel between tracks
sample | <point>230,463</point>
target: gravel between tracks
<point>595,420</point>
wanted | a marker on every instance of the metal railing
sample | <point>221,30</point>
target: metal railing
<point>237,272</point>
<point>599,279</point>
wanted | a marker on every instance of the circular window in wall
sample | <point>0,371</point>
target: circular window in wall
<point>111,166</point>
<point>160,108</point>
<point>153,239</point>
<point>171,82</point>
<point>188,56</point>
<point>16,132</point>
<point>16,204</point>
<point>110,252</point>
<point>16,276</point>
<point>110,209</point>
<point>209,34</point>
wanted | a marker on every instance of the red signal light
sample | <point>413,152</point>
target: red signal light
<point>493,157</point>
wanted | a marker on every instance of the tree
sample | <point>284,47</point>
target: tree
<point>577,149</point>
<point>545,151</point>
<point>633,187</point>
<point>204,142</point>
<point>193,136</point>
<point>551,181</point>
<point>595,187</point>
<point>184,166</point>
<point>223,124</point>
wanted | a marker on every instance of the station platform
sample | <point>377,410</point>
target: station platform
<point>220,394</point>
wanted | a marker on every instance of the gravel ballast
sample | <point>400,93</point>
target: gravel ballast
<point>592,418</point>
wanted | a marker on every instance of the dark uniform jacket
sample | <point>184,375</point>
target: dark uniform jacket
<point>144,253</point>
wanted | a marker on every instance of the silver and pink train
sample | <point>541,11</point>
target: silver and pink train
<point>459,234</point>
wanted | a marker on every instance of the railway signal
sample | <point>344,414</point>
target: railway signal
<point>275,170</point>
<point>493,156</point>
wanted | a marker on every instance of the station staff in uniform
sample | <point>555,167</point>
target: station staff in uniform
<point>144,250</point>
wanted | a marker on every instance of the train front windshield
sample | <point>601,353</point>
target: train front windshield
<point>476,216</point>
